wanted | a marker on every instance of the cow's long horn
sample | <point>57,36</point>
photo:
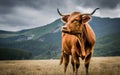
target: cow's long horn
<point>90,13</point>
<point>94,11</point>
<point>59,12</point>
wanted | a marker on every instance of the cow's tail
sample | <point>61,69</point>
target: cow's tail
<point>61,59</point>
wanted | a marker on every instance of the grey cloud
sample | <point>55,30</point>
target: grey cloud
<point>33,13</point>
<point>6,6</point>
<point>104,4</point>
<point>109,4</point>
<point>9,14</point>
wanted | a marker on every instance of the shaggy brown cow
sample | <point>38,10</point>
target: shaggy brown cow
<point>78,40</point>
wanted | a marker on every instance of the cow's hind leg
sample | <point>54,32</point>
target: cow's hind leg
<point>87,62</point>
<point>66,61</point>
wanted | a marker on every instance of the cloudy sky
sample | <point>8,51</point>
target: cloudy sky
<point>17,15</point>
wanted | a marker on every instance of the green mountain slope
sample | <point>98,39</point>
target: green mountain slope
<point>41,31</point>
<point>35,32</point>
<point>108,45</point>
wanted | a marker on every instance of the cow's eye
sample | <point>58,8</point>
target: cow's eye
<point>74,21</point>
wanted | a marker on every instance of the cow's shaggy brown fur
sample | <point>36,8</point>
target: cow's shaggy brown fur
<point>78,40</point>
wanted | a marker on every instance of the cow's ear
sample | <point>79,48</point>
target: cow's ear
<point>65,18</point>
<point>86,18</point>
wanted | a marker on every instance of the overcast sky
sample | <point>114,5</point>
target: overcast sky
<point>17,15</point>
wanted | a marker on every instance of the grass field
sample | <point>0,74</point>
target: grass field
<point>98,66</point>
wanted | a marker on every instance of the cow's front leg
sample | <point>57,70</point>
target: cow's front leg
<point>72,62</point>
<point>76,62</point>
<point>66,61</point>
<point>87,62</point>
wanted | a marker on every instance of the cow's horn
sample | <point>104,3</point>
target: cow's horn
<point>59,12</point>
<point>90,13</point>
<point>94,11</point>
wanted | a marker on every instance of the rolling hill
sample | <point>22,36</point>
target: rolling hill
<point>45,42</point>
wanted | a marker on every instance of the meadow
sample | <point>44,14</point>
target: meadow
<point>98,66</point>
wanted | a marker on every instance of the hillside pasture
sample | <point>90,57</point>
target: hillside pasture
<point>98,66</point>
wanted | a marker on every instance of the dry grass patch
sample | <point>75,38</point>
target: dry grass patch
<point>98,66</point>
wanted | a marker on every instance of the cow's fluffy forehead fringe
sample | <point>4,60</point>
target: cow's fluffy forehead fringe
<point>75,13</point>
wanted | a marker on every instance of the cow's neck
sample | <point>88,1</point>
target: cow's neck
<point>72,32</point>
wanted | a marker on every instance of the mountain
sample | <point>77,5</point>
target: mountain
<point>45,42</point>
<point>38,41</point>
<point>108,45</point>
